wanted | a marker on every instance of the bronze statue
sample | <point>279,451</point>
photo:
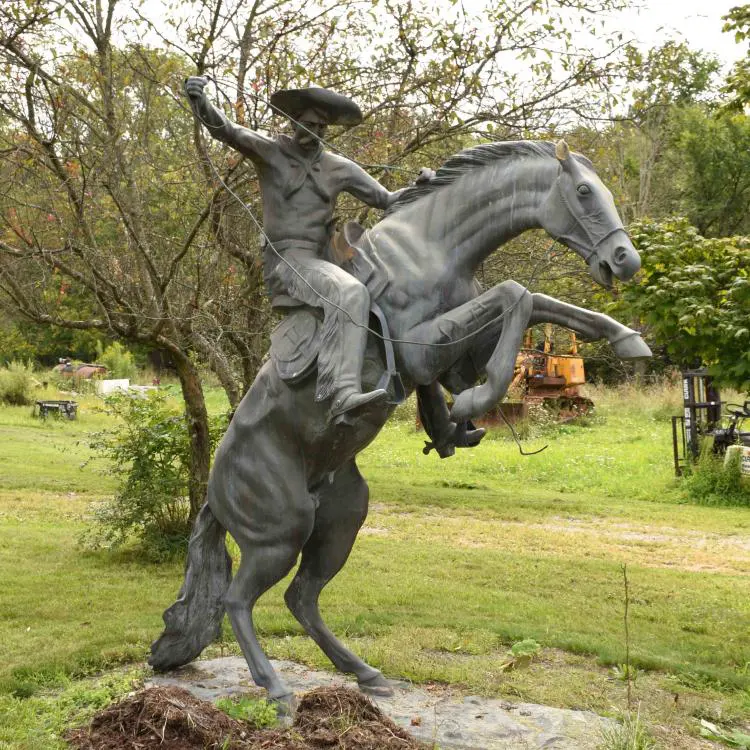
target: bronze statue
<point>299,184</point>
<point>285,481</point>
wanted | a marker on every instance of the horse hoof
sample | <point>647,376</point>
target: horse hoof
<point>631,346</point>
<point>377,685</point>
<point>286,706</point>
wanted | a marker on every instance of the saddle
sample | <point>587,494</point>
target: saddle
<point>296,340</point>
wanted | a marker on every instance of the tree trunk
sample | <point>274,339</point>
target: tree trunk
<point>219,363</point>
<point>197,420</point>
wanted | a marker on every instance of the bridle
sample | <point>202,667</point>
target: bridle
<point>576,221</point>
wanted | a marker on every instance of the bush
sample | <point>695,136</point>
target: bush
<point>710,482</point>
<point>150,450</point>
<point>17,384</point>
<point>70,384</point>
<point>117,359</point>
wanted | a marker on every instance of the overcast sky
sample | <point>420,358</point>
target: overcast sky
<point>697,21</point>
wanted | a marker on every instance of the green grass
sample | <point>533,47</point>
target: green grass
<point>67,612</point>
<point>41,721</point>
<point>458,560</point>
<point>628,734</point>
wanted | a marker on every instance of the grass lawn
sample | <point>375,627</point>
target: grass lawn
<point>459,559</point>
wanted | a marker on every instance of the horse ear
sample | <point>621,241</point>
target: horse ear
<point>562,152</point>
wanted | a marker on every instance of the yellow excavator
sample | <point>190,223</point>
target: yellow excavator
<point>547,377</point>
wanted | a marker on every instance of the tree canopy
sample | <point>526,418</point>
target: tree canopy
<point>693,297</point>
<point>112,215</point>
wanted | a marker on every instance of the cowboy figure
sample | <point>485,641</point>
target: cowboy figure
<point>299,184</point>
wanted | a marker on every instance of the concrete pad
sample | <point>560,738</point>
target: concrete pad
<point>437,714</point>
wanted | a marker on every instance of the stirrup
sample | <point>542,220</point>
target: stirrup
<point>390,377</point>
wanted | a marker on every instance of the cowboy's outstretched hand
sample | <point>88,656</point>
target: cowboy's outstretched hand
<point>194,87</point>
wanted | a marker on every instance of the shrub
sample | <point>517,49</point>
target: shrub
<point>117,359</point>
<point>710,482</point>
<point>17,384</point>
<point>150,450</point>
<point>70,384</point>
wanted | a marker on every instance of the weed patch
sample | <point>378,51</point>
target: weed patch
<point>39,722</point>
<point>257,712</point>
<point>17,384</point>
<point>711,481</point>
<point>629,733</point>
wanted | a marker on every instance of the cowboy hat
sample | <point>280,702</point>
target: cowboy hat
<point>337,109</point>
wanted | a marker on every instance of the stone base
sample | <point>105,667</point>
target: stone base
<point>439,715</point>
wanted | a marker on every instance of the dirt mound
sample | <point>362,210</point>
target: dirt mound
<point>346,720</point>
<point>170,718</point>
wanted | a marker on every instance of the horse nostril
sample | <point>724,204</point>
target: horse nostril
<point>621,255</point>
<point>626,260</point>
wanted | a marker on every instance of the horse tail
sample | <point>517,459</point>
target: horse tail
<point>194,620</point>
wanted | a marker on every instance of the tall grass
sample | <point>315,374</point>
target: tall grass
<point>711,481</point>
<point>629,734</point>
<point>17,384</point>
<point>657,399</point>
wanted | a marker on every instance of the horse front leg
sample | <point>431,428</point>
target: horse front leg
<point>437,344</point>
<point>626,342</point>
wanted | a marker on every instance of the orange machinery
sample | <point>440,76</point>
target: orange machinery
<point>553,379</point>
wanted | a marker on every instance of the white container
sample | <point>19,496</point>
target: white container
<point>105,387</point>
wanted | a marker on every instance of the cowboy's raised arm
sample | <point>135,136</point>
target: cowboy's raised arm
<point>367,189</point>
<point>364,187</point>
<point>255,146</point>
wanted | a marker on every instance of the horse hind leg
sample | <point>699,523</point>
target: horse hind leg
<point>261,567</point>
<point>342,511</point>
<point>269,548</point>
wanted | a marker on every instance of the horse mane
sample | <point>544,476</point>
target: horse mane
<point>473,158</point>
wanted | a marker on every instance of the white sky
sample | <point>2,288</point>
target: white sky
<point>698,22</point>
<point>653,22</point>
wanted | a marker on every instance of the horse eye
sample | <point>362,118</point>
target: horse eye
<point>583,189</point>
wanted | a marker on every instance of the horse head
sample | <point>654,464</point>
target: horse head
<point>579,212</point>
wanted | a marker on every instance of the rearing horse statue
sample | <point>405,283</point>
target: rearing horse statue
<point>284,481</point>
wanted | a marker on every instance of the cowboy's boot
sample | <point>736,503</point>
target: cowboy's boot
<point>348,401</point>
<point>353,341</point>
